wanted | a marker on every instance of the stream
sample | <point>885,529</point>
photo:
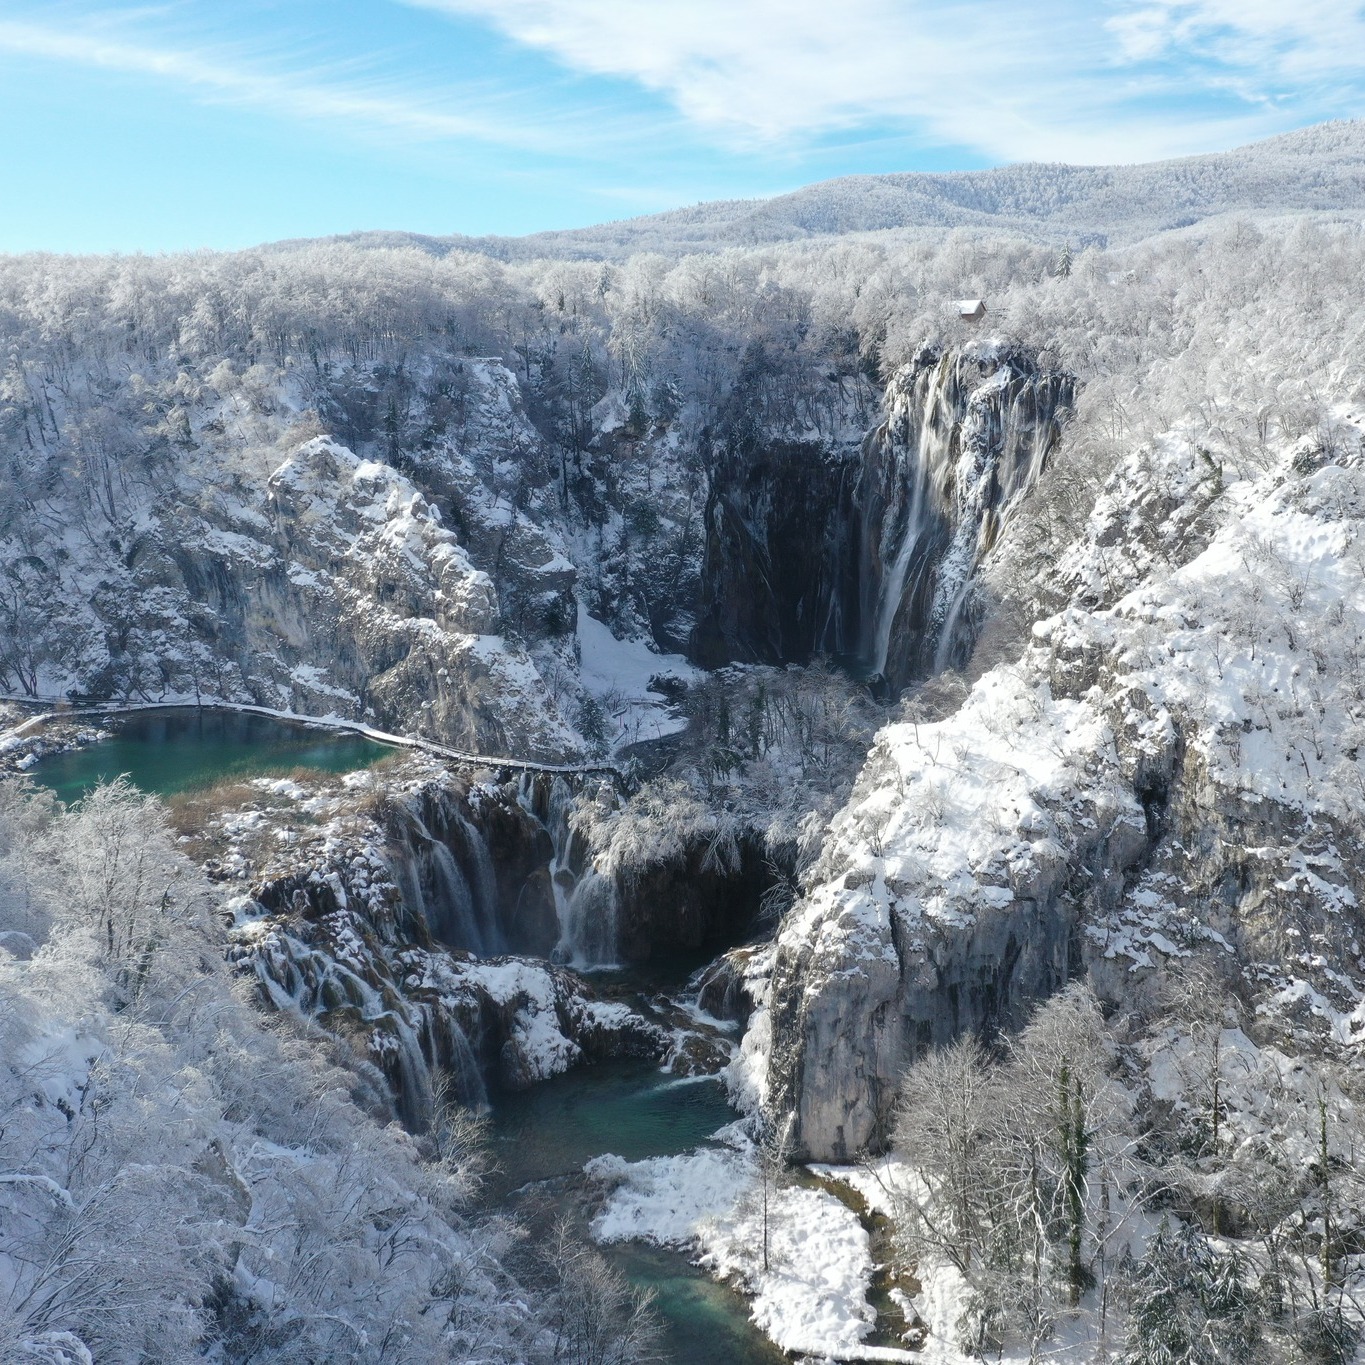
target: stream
<point>541,1137</point>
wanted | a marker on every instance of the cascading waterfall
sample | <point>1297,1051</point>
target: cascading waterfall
<point>454,890</point>
<point>447,885</point>
<point>451,915</point>
<point>484,883</point>
<point>475,865</point>
<point>403,1043</point>
<point>585,905</point>
<point>995,470</point>
<point>589,938</point>
<point>966,435</point>
<point>561,838</point>
<point>888,600</point>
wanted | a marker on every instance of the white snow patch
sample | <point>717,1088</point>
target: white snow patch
<point>617,674</point>
<point>812,1297</point>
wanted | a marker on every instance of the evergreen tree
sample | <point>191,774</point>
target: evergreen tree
<point>1190,1304</point>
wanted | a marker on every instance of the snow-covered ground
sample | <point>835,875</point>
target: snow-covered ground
<point>810,1298</point>
<point>618,673</point>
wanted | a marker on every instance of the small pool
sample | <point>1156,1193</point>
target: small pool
<point>629,1108</point>
<point>704,1322</point>
<point>185,749</point>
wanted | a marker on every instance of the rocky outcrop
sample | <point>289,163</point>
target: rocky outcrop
<point>948,900</point>
<point>682,905</point>
<point>273,566</point>
<point>1173,773</point>
<point>727,989</point>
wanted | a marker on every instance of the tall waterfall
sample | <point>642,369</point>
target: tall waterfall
<point>870,553</point>
<point>589,938</point>
<point>966,435</point>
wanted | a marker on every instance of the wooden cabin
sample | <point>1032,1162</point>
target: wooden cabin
<point>971,310</point>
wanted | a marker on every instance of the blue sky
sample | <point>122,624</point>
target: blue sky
<point>221,123</point>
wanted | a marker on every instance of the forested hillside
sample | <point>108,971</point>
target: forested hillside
<point>1314,170</point>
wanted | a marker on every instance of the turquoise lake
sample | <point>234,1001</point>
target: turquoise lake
<point>181,750</point>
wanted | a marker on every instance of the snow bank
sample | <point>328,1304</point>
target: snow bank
<point>617,674</point>
<point>812,1297</point>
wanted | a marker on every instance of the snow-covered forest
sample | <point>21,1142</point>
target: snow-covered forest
<point>1315,169</point>
<point>1036,980</point>
<point>185,1178</point>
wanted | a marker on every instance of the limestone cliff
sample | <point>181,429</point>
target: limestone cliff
<point>1169,770</point>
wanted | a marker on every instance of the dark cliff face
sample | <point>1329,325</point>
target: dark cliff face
<point>869,555</point>
<point>776,578</point>
<point>681,907</point>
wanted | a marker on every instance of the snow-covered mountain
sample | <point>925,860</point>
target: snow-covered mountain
<point>1315,170</point>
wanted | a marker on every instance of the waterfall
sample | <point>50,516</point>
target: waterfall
<point>999,464</point>
<point>310,983</point>
<point>966,435</point>
<point>463,1065</point>
<point>449,883</point>
<point>483,882</point>
<point>451,915</point>
<point>585,906</point>
<point>589,938</point>
<point>561,839</point>
<point>889,599</point>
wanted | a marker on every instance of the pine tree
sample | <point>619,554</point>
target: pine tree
<point>1190,1305</point>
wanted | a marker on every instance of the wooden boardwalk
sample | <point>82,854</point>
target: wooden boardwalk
<point>430,746</point>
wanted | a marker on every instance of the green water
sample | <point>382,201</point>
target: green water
<point>705,1322</point>
<point>629,1108</point>
<point>633,1110</point>
<point>167,752</point>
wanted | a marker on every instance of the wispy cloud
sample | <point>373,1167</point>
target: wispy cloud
<point>1069,79</point>
<point>1269,43</point>
<point>513,115</point>
<point>311,94</point>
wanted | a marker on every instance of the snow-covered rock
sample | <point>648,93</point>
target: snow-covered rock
<point>1169,770</point>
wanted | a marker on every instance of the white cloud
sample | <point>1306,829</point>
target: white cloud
<point>1074,80</point>
<point>312,96</point>
<point>1070,79</point>
<point>1268,42</point>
